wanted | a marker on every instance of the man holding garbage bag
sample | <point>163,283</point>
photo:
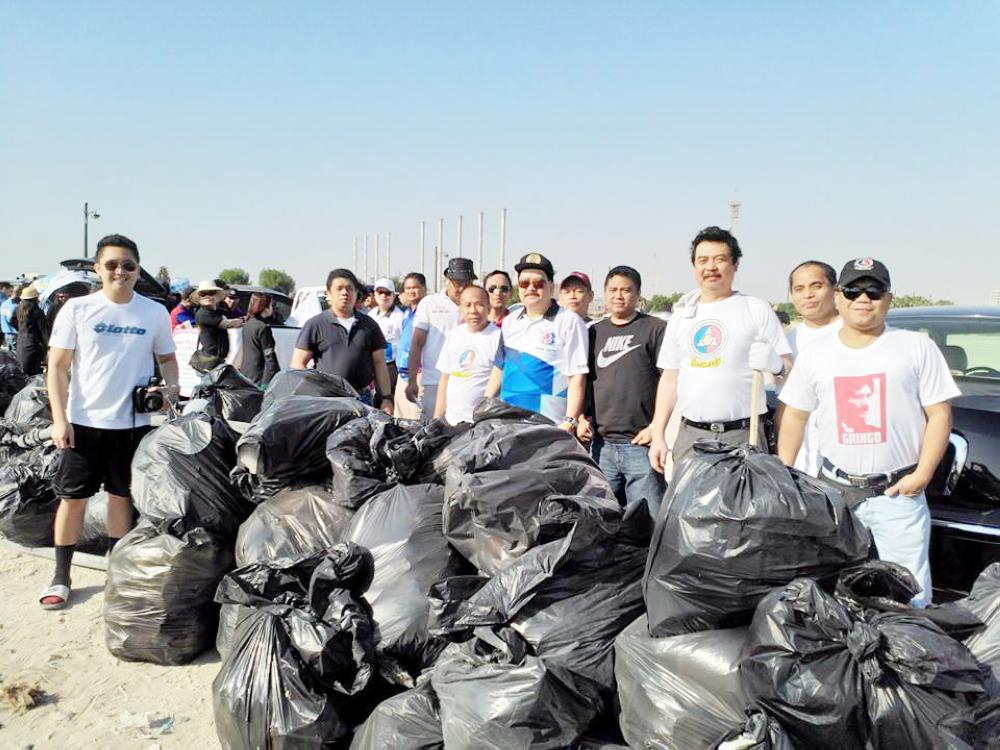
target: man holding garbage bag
<point>714,341</point>
<point>101,350</point>
<point>882,401</point>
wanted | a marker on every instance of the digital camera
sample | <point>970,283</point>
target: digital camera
<point>145,401</point>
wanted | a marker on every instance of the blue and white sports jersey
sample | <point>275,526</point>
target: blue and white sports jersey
<point>537,358</point>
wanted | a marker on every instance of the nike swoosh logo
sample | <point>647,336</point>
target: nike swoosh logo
<point>604,361</point>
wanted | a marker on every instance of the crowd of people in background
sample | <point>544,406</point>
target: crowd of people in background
<point>862,405</point>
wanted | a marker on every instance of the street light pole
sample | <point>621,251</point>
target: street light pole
<point>87,215</point>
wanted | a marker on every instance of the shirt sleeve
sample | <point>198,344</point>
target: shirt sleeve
<point>936,382</point>
<point>163,339</point>
<point>444,358</point>
<point>575,350</point>
<point>422,317</point>
<point>501,356</point>
<point>307,336</point>
<point>656,343</point>
<point>668,358</point>
<point>798,391</point>
<point>378,338</point>
<point>63,334</point>
<point>771,330</point>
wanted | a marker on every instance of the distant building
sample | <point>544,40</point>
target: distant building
<point>995,296</point>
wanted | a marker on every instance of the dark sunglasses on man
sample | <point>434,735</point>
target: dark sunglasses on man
<point>874,292</point>
<point>537,284</point>
<point>127,266</point>
<point>494,288</point>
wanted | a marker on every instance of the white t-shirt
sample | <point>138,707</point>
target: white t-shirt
<point>711,350</point>
<point>869,401</point>
<point>467,358</point>
<point>391,324</point>
<point>799,337</point>
<point>437,315</point>
<point>113,347</point>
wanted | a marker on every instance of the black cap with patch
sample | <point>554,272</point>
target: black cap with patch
<point>864,268</point>
<point>537,262</point>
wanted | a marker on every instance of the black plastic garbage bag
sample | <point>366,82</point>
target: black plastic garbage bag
<point>977,728</point>
<point>229,394</point>
<point>357,455</point>
<point>31,402</point>
<point>835,680</point>
<point>295,662</point>
<point>411,454</point>
<point>94,535</point>
<point>678,692</point>
<point>27,502</point>
<point>158,603</point>
<point>402,529</point>
<point>286,443</point>
<point>494,695</point>
<point>734,524</point>
<point>22,436</point>
<point>569,602</point>
<point>306,383</point>
<point>12,379</point>
<point>180,472</point>
<point>408,721</point>
<point>883,586</point>
<point>294,522</point>
<point>520,486</point>
<point>759,732</point>
<point>984,602</point>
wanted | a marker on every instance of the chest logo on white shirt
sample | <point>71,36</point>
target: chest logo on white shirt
<point>861,409</point>
<point>614,349</point>
<point>708,338</point>
<point>467,359</point>
<point>548,338</point>
<point>122,330</point>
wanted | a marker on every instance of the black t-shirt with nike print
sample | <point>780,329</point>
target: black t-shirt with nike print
<point>621,384</point>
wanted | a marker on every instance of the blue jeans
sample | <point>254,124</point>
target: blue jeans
<point>627,470</point>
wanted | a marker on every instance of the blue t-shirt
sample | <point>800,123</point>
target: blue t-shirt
<point>8,309</point>
<point>403,350</point>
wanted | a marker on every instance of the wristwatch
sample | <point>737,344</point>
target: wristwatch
<point>573,422</point>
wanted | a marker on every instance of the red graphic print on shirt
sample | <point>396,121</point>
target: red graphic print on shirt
<point>860,409</point>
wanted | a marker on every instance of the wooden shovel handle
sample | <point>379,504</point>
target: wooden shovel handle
<point>758,379</point>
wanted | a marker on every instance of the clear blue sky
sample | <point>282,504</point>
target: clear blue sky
<point>269,134</point>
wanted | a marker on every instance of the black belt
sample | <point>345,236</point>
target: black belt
<point>868,481</point>
<point>736,424</point>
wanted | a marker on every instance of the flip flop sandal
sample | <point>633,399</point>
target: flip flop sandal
<point>58,595</point>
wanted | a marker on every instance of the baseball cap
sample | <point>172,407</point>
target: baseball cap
<point>864,268</point>
<point>537,262</point>
<point>580,276</point>
<point>386,283</point>
<point>460,268</point>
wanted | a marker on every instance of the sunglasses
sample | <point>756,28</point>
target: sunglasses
<point>874,293</point>
<point>504,288</point>
<point>537,284</point>
<point>383,292</point>
<point>113,265</point>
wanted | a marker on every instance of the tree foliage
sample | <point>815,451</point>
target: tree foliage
<point>916,300</point>
<point>273,278</point>
<point>663,302</point>
<point>234,276</point>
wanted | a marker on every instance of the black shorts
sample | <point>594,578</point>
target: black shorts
<point>98,457</point>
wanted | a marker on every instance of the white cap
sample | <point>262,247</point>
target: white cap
<point>386,283</point>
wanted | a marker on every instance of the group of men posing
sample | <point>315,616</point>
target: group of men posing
<point>863,406</point>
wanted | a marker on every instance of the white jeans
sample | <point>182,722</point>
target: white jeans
<point>901,527</point>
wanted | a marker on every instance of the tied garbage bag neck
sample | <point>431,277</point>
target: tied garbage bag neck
<point>229,394</point>
<point>306,383</point>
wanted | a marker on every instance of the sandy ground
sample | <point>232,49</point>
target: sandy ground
<point>94,700</point>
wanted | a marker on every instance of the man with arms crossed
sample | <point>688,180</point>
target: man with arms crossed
<point>622,389</point>
<point>436,316</point>
<point>101,348</point>
<point>541,362</point>
<point>882,400</point>
<point>466,360</point>
<point>714,341</point>
<point>346,342</point>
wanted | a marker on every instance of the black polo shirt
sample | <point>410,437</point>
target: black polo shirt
<point>341,353</point>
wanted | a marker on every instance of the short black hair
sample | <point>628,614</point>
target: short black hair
<point>117,240</point>
<point>418,276</point>
<point>343,273</point>
<point>718,234</point>
<point>506,275</point>
<point>628,272</point>
<point>826,268</point>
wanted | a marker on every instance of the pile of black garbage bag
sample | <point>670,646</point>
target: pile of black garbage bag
<point>27,466</point>
<point>767,626</point>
